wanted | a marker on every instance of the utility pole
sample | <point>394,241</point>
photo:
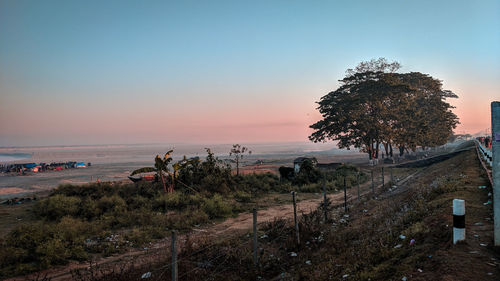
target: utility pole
<point>495,167</point>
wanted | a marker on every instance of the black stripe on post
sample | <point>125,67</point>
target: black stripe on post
<point>459,221</point>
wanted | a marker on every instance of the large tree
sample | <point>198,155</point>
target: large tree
<point>375,105</point>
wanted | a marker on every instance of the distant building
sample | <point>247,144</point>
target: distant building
<point>298,161</point>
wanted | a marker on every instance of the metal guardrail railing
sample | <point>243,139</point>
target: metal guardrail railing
<point>486,153</point>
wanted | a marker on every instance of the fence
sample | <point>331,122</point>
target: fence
<point>485,153</point>
<point>251,245</point>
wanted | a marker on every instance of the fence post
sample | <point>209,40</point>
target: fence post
<point>358,179</point>
<point>495,168</point>
<point>174,257</point>
<point>373,184</point>
<point>295,217</point>
<point>383,180</point>
<point>345,196</point>
<point>324,200</point>
<point>458,220</point>
<point>255,261</point>
<point>392,179</point>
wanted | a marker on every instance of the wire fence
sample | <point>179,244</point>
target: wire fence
<point>215,265</point>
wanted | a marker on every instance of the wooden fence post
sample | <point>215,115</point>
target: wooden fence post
<point>345,196</point>
<point>324,200</point>
<point>295,217</point>
<point>392,178</point>
<point>358,179</point>
<point>174,257</point>
<point>383,179</point>
<point>373,184</point>
<point>255,261</point>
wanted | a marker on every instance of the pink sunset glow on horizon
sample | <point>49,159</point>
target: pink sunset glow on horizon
<point>257,121</point>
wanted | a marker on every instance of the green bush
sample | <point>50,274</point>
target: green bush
<point>136,202</point>
<point>170,201</point>
<point>307,174</point>
<point>215,207</point>
<point>57,206</point>
<point>137,236</point>
<point>113,203</point>
<point>53,252</point>
<point>89,209</point>
<point>256,183</point>
<point>242,196</point>
<point>71,229</point>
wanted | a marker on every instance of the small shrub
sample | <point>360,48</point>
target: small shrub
<point>137,236</point>
<point>53,252</point>
<point>57,206</point>
<point>113,203</point>
<point>215,207</point>
<point>170,201</point>
<point>242,196</point>
<point>71,229</point>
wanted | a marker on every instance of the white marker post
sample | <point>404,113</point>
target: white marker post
<point>458,220</point>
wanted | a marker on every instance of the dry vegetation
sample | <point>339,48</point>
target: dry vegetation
<point>365,244</point>
<point>88,222</point>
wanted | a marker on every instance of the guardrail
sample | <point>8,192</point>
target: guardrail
<point>485,153</point>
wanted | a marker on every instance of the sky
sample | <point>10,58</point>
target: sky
<point>102,72</point>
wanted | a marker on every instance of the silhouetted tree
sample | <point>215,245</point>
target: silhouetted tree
<point>238,151</point>
<point>374,105</point>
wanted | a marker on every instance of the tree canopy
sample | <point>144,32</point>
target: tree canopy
<point>375,105</point>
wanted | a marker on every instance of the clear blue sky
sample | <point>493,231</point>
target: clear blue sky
<point>81,72</point>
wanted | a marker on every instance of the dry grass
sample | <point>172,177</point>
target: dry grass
<point>366,244</point>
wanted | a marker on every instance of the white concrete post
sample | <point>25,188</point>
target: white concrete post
<point>495,167</point>
<point>458,220</point>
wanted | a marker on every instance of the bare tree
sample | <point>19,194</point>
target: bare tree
<point>238,151</point>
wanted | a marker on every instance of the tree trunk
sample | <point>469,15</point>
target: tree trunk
<point>369,147</point>
<point>390,150</point>
<point>237,166</point>
<point>377,149</point>
<point>401,150</point>
<point>171,186</point>
<point>163,182</point>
